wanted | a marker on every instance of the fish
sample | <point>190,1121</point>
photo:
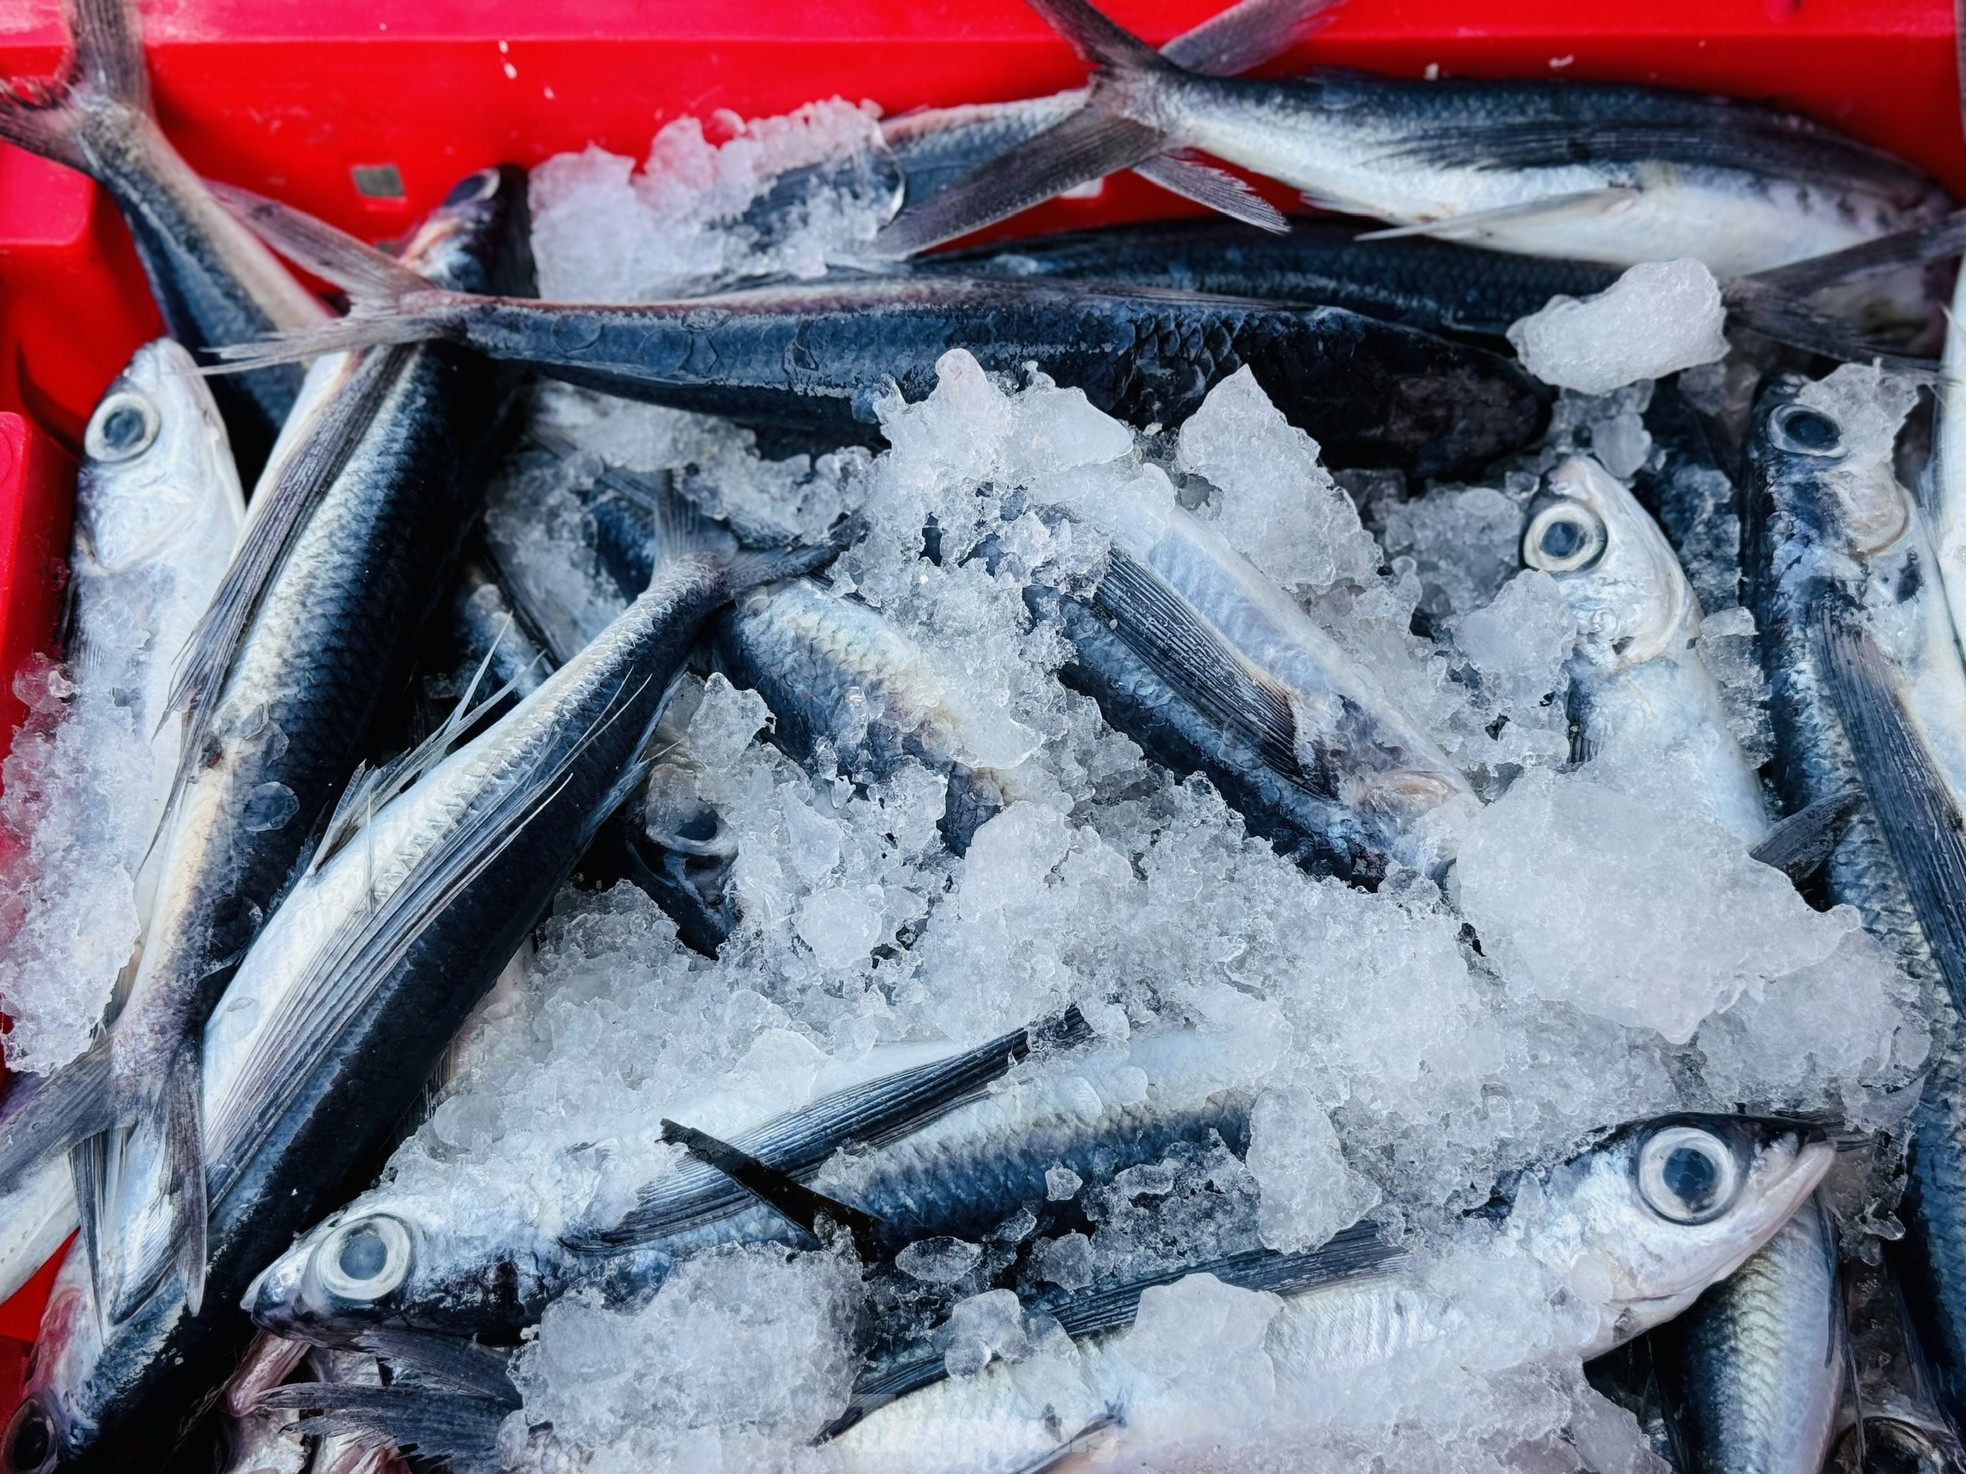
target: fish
<point>1688,485</point>
<point>1642,699</point>
<point>1946,497</point>
<point>1894,1424</point>
<point>1754,1372</point>
<point>213,282</point>
<point>342,559</point>
<point>818,357</point>
<point>427,879</point>
<point>1586,171</point>
<point>1435,286</point>
<point>937,1152</point>
<point>1636,1228</point>
<point>1190,651</point>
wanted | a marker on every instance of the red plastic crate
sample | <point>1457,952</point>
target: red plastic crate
<point>288,99</point>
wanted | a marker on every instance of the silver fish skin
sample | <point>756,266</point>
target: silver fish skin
<point>1946,495</point>
<point>960,1173</point>
<point>1647,703</point>
<point>1755,1370</point>
<point>1202,660</point>
<point>352,993</point>
<point>1586,171</point>
<point>341,560</point>
<point>1636,1229</point>
<point>839,677</point>
<point>213,281</point>
<point>1894,1425</point>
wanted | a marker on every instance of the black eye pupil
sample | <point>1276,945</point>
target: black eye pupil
<point>32,1439</point>
<point>363,1254</point>
<point>1810,430</point>
<point>479,186</point>
<point>1562,538</point>
<point>122,428</point>
<point>1693,1177</point>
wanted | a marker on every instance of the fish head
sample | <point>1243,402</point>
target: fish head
<point>158,466</point>
<point>391,1260</point>
<point>56,1422</point>
<point>1616,570</point>
<point>1648,1219</point>
<point>1824,449</point>
<point>480,238</point>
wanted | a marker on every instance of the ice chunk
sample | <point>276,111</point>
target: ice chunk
<point>1062,1184</point>
<point>1279,507</point>
<point>1208,1339</point>
<point>1309,1193</point>
<point>938,1261</point>
<point>982,1328</point>
<point>841,926</point>
<point>1520,642</point>
<point>1589,897</point>
<point>743,1351</point>
<point>1463,541</point>
<point>1658,318</point>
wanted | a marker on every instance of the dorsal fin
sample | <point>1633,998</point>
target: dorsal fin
<point>812,1211</point>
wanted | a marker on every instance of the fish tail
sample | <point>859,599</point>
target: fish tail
<point>1117,128</point>
<point>146,1235</point>
<point>1788,318</point>
<point>104,70</point>
<point>68,1107</point>
<point>388,302</point>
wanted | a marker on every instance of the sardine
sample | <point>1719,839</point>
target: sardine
<point>426,881</point>
<point>818,356</point>
<point>345,554</point>
<point>1754,1372</point>
<point>1587,171</point>
<point>932,1158</point>
<point>1436,286</point>
<point>1204,662</point>
<point>1635,1229</point>
<point>213,281</point>
<point>1641,696</point>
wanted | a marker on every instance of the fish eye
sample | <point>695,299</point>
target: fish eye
<point>1809,431</point>
<point>473,188</point>
<point>30,1440</point>
<point>124,425</point>
<point>364,1260</point>
<point>1564,537</point>
<point>1687,1174</point>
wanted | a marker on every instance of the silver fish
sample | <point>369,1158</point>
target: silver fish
<point>1587,171</point>
<point>1894,1424</point>
<point>1210,667</point>
<point>213,281</point>
<point>1643,698</point>
<point>1635,1229</point>
<point>1754,1372</point>
<point>342,558</point>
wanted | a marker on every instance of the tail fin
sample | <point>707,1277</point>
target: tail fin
<point>1787,318</point>
<point>66,1109</point>
<point>1216,188</point>
<point>388,302</point>
<point>1107,134</point>
<point>749,570</point>
<point>1247,35</point>
<point>105,65</point>
<point>1918,246</point>
<point>152,1201</point>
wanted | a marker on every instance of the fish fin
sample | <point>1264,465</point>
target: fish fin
<point>1190,655</point>
<point>1091,1445</point>
<point>444,1429</point>
<point>750,569</point>
<point>1221,191</point>
<point>1583,202</point>
<point>1097,140</point>
<point>1918,246</point>
<point>1922,828</point>
<point>1799,844</point>
<point>1096,36</point>
<point>447,1361</point>
<point>88,1167</point>
<point>163,1228</point>
<point>346,968</point>
<point>372,278</point>
<point>870,1115</point>
<point>108,39</point>
<point>1788,318</point>
<point>1247,35</point>
<point>1359,1252</point>
<point>73,1104</point>
<point>815,1212</point>
<point>39,117</point>
<point>282,512</point>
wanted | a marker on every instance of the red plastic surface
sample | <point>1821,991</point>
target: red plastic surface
<point>288,98</point>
